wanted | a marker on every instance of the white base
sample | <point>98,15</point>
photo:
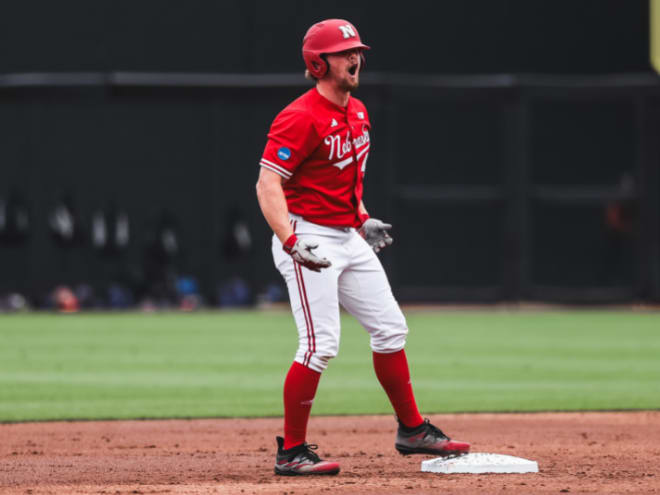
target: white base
<point>480,463</point>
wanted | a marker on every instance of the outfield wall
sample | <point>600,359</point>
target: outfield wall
<point>505,186</point>
<point>500,187</point>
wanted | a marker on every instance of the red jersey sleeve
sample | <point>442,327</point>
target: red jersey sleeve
<point>291,139</point>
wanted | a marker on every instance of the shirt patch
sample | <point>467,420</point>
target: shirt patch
<point>284,153</point>
<point>360,115</point>
<point>334,123</point>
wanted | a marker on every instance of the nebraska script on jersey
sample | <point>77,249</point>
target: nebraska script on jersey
<point>321,151</point>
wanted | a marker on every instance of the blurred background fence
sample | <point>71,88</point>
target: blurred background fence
<point>515,147</point>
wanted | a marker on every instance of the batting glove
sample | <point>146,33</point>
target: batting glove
<point>301,252</point>
<point>375,233</point>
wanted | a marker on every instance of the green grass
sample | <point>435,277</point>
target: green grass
<point>233,364</point>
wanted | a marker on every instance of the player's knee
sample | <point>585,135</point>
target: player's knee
<point>389,340</point>
<point>389,332</point>
<point>315,361</point>
<point>317,353</point>
<point>319,362</point>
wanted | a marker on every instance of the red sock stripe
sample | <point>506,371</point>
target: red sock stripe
<point>304,290</point>
<point>302,303</point>
<point>296,269</point>
<point>311,337</point>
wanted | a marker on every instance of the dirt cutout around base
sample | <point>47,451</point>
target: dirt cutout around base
<point>577,453</point>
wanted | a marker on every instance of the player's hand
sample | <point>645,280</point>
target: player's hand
<point>301,252</point>
<point>375,233</point>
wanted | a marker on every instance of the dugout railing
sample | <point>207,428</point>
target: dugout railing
<point>500,187</point>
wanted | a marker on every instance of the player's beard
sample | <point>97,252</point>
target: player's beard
<point>350,84</point>
<point>347,83</point>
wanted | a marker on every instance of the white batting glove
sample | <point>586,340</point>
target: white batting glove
<point>301,252</point>
<point>375,233</point>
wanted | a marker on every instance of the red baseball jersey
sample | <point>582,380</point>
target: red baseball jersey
<point>321,151</point>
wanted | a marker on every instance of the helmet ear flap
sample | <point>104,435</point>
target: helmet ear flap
<point>325,66</point>
<point>317,65</point>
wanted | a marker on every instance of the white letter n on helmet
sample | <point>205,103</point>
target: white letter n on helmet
<point>347,31</point>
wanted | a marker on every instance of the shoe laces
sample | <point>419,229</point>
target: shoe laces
<point>434,430</point>
<point>306,452</point>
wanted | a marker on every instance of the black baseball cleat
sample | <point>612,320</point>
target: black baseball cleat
<point>427,439</point>
<point>301,461</point>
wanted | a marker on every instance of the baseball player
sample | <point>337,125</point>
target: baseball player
<point>325,244</point>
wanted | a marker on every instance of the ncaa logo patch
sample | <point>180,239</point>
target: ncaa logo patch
<point>284,153</point>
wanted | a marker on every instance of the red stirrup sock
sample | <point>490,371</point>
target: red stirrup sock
<point>393,374</point>
<point>299,391</point>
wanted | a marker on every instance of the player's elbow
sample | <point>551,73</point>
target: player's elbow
<point>261,188</point>
<point>267,184</point>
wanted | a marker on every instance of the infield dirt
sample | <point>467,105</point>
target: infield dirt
<point>577,453</point>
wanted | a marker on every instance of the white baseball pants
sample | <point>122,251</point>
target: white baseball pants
<point>356,280</point>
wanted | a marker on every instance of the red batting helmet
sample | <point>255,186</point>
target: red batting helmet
<point>329,36</point>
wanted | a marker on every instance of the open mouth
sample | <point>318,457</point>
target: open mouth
<point>352,69</point>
